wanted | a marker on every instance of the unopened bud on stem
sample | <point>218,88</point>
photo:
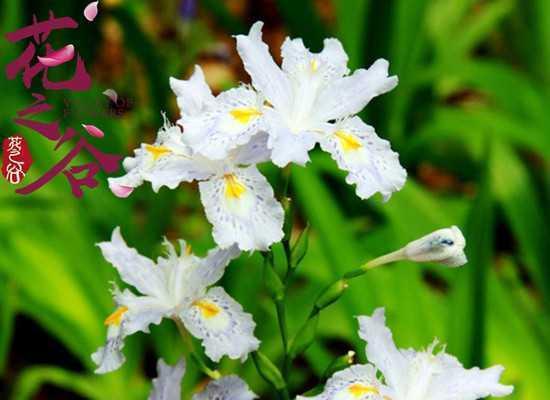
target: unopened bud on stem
<point>444,246</point>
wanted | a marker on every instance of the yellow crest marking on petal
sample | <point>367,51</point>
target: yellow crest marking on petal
<point>244,115</point>
<point>116,317</point>
<point>358,390</point>
<point>234,189</point>
<point>157,151</point>
<point>348,141</point>
<point>207,308</point>
<point>314,65</point>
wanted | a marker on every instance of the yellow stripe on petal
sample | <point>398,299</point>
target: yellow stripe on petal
<point>207,308</point>
<point>314,65</point>
<point>116,317</point>
<point>157,151</point>
<point>234,189</point>
<point>244,115</point>
<point>358,390</point>
<point>348,141</point>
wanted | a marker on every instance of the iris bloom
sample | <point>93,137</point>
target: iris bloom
<point>177,286</point>
<point>310,99</point>
<point>238,200</point>
<point>167,386</point>
<point>410,374</point>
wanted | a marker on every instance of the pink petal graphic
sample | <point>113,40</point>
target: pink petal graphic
<point>90,12</point>
<point>93,130</point>
<point>111,94</point>
<point>121,190</point>
<point>58,57</point>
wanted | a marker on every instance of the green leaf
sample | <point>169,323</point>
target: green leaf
<point>514,190</point>
<point>8,305</point>
<point>467,317</point>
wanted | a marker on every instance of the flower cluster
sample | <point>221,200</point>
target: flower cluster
<point>218,141</point>
<point>312,98</point>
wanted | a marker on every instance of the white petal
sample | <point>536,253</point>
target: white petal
<point>370,162</point>
<point>349,95</point>
<point>226,388</point>
<point>456,383</point>
<point>211,268</point>
<point>299,62</point>
<point>109,357</point>
<point>252,217</point>
<point>266,76</point>
<point>167,386</point>
<point>335,57</point>
<point>381,350</point>
<point>142,311</point>
<point>286,145</point>
<point>223,326</point>
<point>134,269</point>
<point>254,152</point>
<point>131,180</point>
<point>354,383</point>
<point>231,122</point>
<point>193,95</point>
<point>167,162</point>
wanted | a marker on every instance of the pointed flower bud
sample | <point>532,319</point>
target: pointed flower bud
<point>444,246</point>
<point>339,364</point>
<point>331,294</point>
<point>268,370</point>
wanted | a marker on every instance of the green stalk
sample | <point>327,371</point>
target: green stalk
<point>214,374</point>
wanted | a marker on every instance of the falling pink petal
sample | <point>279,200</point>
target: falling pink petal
<point>121,190</point>
<point>111,94</point>
<point>93,130</point>
<point>58,57</point>
<point>90,12</point>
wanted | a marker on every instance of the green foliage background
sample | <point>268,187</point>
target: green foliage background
<point>472,104</point>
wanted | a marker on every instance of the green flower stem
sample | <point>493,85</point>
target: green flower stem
<point>281,317</point>
<point>214,374</point>
<point>336,289</point>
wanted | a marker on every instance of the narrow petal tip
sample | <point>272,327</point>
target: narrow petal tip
<point>121,190</point>
<point>111,94</point>
<point>90,12</point>
<point>58,57</point>
<point>93,131</point>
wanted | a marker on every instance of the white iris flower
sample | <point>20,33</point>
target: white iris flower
<point>310,98</point>
<point>409,374</point>
<point>239,201</point>
<point>425,375</point>
<point>167,386</point>
<point>177,286</point>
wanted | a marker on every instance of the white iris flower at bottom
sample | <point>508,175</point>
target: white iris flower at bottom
<point>177,286</point>
<point>167,386</point>
<point>409,374</point>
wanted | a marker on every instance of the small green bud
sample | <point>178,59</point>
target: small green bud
<point>331,294</point>
<point>304,338</point>
<point>268,370</point>
<point>299,249</point>
<point>288,207</point>
<point>339,364</point>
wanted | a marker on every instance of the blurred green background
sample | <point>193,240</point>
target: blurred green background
<point>470,119</point>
